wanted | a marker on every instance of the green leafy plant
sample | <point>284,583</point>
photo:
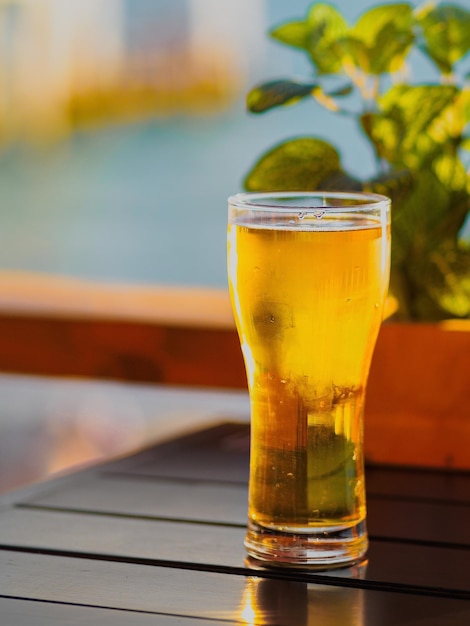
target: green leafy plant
<point>419,135</point>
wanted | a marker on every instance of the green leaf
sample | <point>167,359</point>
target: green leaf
<point>354,51</point>
<point>386,36</point>
<point>385,132</point>
<point>445,292</point>
<point>295,165</point>
<point>390,50</point>
<point>372,22</point>
<point>293,34</point>
<point>285,92</point>
<point>326,17</point>
<point>276,93</point>
<point>317,34</point>
<point>405,130</point>
<point>326,26</point>
<point>446,33</point>
<point>449,127</point>
<point>450,170</point>
<point>417,218</point>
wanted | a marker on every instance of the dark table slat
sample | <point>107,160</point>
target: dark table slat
<point>199,501</point>
<point>419,521</point>
<point>223,598</point>
<point>215,547</point>
<point>390,518</point>
<point>121,537</point>
<point>125,586</point>
<point>21,612</point>
<point>419,484</point>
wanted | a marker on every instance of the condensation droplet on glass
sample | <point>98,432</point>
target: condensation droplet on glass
<point>348,299</point>
<point>256,268</point>
<point>376,305</point>
<point>301,215</point>
<point>283,381</point>
<point>271,319</point>
<point>319,214</point>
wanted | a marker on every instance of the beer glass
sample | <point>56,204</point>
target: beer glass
<point>308,277</point>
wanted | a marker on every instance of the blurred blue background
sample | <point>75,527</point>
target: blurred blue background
<point>123,130</point>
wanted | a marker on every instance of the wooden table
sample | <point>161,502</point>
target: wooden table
<point>157,538</point>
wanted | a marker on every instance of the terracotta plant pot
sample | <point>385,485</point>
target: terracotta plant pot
<point>418,398</point>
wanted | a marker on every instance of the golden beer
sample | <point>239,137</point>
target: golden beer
<point>308,296</point>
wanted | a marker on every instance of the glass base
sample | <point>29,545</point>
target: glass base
<point>319,549</point>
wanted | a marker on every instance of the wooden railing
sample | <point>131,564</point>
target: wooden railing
<point>64,327</point>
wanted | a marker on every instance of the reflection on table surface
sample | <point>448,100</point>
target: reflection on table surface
<point>268,601</point>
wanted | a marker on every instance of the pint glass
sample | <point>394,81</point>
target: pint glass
<point>308,277</point>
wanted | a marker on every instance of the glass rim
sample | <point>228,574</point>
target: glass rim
<point>360,201</point>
